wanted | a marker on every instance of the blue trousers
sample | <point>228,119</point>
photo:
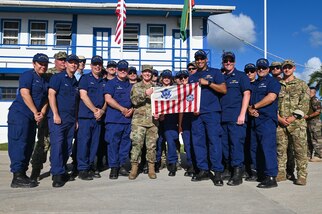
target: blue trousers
<point>266,138</point>
<point>187,139</point>
<point>88,136</point>
<point>171,136</point>
<point>160,141</point>
<point>233,140</point>
<point>206,128</point>
<point>61,138</point>
<point>21,140</point>
<point>118,143</point>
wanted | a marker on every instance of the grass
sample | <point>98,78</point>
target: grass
<point>4,147</point>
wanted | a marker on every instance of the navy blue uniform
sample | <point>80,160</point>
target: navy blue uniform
<point>61,135</point>
<point>206,126</point>
<point>21,122</point>
<point>233,134</point>
<point>265,125</point>
<point>89,128</point>
<point>170,127</point>
<point>118,127</point>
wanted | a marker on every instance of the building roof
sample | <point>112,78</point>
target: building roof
<point>134,7</point>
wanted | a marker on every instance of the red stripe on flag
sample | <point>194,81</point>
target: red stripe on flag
<point>174,106</point>
<point>161,103</point>
<point>179,97</point>
<point>195,98</point>
<point>121,17</point>
<point>190,107</point>
<point>185,98</point>
<point>156,104</point>
<point>167,111</point>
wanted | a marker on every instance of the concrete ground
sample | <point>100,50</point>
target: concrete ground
<point>163,195</point>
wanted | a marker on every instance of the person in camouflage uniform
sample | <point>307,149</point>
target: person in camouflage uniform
<point>144,125</point>
<point>292,107</point>
<point>42,146</point>
<point>314,128</point>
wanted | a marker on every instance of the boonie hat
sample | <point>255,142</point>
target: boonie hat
<point>60,55</point>
<point>40,57</point>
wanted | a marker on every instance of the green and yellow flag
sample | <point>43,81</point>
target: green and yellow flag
<point>185,18</point>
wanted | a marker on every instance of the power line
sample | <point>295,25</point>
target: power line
<point>252,45</point>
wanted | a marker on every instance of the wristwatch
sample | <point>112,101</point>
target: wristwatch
<point>209,82</point>
<point>253,106</point>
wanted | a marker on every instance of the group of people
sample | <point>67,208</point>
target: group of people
<point>246,125</point>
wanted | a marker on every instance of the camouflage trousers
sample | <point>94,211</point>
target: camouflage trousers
<point>314,139</point>
<point>298,139</point>
<point>139,135</point>
<point>42,145</point>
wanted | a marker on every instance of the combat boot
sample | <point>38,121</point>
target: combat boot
<point>114,174</point>
<point>172,169</point>
<point>281,176</point>
<point>134,171</point>
<point>59,180</point>
<point>300,181</point>
<point>123,171</point>
<point>151,172</point>
<point>268,182</point>
<point>21,180</point>
<point>236,179</point>
<point>35,173</point>
<point>217,179</point>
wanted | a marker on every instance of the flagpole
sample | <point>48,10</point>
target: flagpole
<point>190,30</point>
<point>265,29</point>
<point>122,28</point>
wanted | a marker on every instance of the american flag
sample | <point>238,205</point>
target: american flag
<point>121,19</point>
<point>176,99</point>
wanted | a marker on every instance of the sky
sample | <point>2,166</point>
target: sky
<point>294,31</point>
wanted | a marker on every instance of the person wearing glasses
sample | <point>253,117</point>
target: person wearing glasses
<point>111,69</point>
<point>276,70</point>
<point>118,120</point>
<point>155,77</point>
<point>233,117</point>
<point>26,111</point>
<point>263,108</point>
<point>92,107</point>
<point>191,67</point>
<point>206,129</point>
<point>132,75</point>
<point>293,105</point>
<point>81,67</point>
<point>250,148</point>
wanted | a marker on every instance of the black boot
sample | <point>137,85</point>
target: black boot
<point>201,176</point>
<point>252,176</point>
<point>145,169</point>
<point>59,180</point>
<point>21,180</point>
<point>114,173</point>
<point>190,171</point>
<point>172,169</point>
<point>237,177</point>
<point>123,171</point>
<point>227,172</point>
<point>268,182</point>
<point>85,175</point>
<point>217,179</point>
<point>35,173</point>
<point>157,166</point>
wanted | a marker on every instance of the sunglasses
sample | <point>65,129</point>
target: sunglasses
<point>200,58</point>
<point>190,69</point>
<point>83,61</point>
<point>261,68</point>
<point>131,73</point>
<point>228,60</point>
<point>274,67</point>
<point>250,71</point>
<point>182,77</point>
<point>97,63</point>
<point>287,67</point>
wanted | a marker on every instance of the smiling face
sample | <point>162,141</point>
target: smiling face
<point>40,67</point>
<point>96,68</point>
<point>201,63</point>
<point>288,70</point>
<point>146,76</point>
<point>262,71</point>
<point>228,64</point>
<point>60,64</point>
<point>71,66</point>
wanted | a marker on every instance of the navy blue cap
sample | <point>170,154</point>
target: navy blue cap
<point>249,66</point>
<point>155,72</point>
<point>97,59</point>
<point>122,65</point>
<point>228,54</point>
<point>184,73</point>
<point>201,54</point>
<point>111,64</point>
<point>72,57</point>
<point>133,70</point>
<point>40,57</point>
<point>166,73</point>
<point>262,62</point>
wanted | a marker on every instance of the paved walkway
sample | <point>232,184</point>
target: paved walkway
<point>163,195</point>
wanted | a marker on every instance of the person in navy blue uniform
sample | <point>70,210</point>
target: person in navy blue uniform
<point>63,97</point>
<point>250,148</point>
<point>234,106</point>
<point>118,120</point>
<point>26,111</point>
<point>92,107</point>
<point>263,107</point>
<point>206,128</point>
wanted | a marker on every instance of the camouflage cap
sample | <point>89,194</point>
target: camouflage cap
<point>193,63</point>
<point>60,55</point>
<point>274,64</point>
<point>147,68</point>
<point>288,62</point>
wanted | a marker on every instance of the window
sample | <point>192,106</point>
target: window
<point>8,93</point>
<point>131,36</point>
<point>38,31</point>
<point>63,33</point>
<point>156,36</point>
<point>10,29</point>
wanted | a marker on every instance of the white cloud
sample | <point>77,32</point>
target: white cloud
<point>240,25</point>
<point>315,36</point>
<point>312,65</point>
<point>309,28</point>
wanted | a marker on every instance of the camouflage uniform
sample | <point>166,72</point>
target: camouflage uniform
<point>42,145</point>
<point>314,129</point>
<point>294,95</point>
<point>144,127</point>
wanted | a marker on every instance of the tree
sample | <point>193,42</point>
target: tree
<point>316,77</point>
